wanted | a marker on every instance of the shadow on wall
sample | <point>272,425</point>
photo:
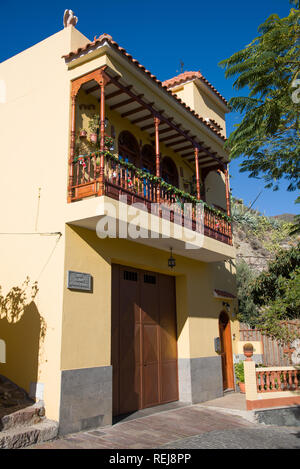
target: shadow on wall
<point>23,329</point>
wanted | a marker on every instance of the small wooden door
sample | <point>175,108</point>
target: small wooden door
<point>226,351</point>
<point>144,339</point>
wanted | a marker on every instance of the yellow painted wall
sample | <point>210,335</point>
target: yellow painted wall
<point>215,191</point>
<point>200,101</point>
<point>208,107</point>
<point>257,347</point>
<point>86,317</point>
<point>34,136</point>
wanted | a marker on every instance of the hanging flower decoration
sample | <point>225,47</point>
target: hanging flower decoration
<point>81,160</point>
<point>109,142</point>
<point>180,196</point>
<point>129,182</point>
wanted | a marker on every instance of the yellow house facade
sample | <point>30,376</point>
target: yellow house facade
<point>107,169</point>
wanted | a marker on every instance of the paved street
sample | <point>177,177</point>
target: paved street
<point>264,437</point>
<point>183,427</point>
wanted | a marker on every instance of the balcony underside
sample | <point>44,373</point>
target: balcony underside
<point>157,231</point>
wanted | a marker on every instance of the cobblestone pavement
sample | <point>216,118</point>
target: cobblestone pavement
<point>187,427</point>
<point>265,437</point>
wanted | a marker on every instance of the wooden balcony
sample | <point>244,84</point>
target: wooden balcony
<point>123,179</point>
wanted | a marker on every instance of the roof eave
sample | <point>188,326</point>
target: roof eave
<point>219,101</point>
<point>104,46</point>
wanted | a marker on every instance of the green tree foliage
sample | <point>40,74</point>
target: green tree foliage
<point>285,306</point>
<point>268,137</point>
<point>295,230</point>
<point>248,311</point>
<point>296,3</point>
<point>266,287</point>
<point>276,292</point>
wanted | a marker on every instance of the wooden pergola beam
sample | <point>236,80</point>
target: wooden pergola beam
<point>163,131</point>
<point>177,142</point>
<point>170,137</point>
<point>184,155</point>
<point>90,90</point>
<point>146,127</point>
<point>185,148</point>
<point>143,118</point>
<point>94,88</point>
<point>201,156</point>
<point>116,93</point>
<point>161,117</point>
<point>132,111</point>
<point>124,103</point>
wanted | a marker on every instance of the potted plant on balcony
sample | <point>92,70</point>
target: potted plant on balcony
<point>94,127</point>
<point>109,142</point>
<point>239,374</point>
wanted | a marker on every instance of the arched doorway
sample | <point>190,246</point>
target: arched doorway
<point>169,171</point>
<point>128,147</point>
<point>226,351</point>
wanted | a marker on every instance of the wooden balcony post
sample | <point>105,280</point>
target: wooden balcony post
<point>197,172</point>
<point>72,144</point>
<point>227,191</point>
<point>157,157</point>
<point>102,138</point>
<point>228,199</point>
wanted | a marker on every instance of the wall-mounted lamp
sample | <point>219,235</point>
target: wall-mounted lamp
<point>226,305</point>
<point>171,260</point>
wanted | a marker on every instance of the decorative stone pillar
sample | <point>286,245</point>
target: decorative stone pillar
<point>250,380</point>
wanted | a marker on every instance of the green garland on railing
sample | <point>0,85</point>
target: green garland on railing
<point>151,177</point>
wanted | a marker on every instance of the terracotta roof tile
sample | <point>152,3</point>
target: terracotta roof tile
<point>163,85</point>
<point>181,78</point>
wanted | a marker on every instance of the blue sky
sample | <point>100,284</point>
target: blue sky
<point>160,34</point>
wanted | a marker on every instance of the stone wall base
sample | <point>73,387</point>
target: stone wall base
<point>200,379</point>
<point>86,399</point>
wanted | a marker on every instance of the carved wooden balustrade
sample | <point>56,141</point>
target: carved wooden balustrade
<point>277,380</point>
<point>85,177</point>
<point>119,180</point>
<point>271,386</point>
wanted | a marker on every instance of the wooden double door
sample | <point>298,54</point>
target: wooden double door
<point>144,339</point>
